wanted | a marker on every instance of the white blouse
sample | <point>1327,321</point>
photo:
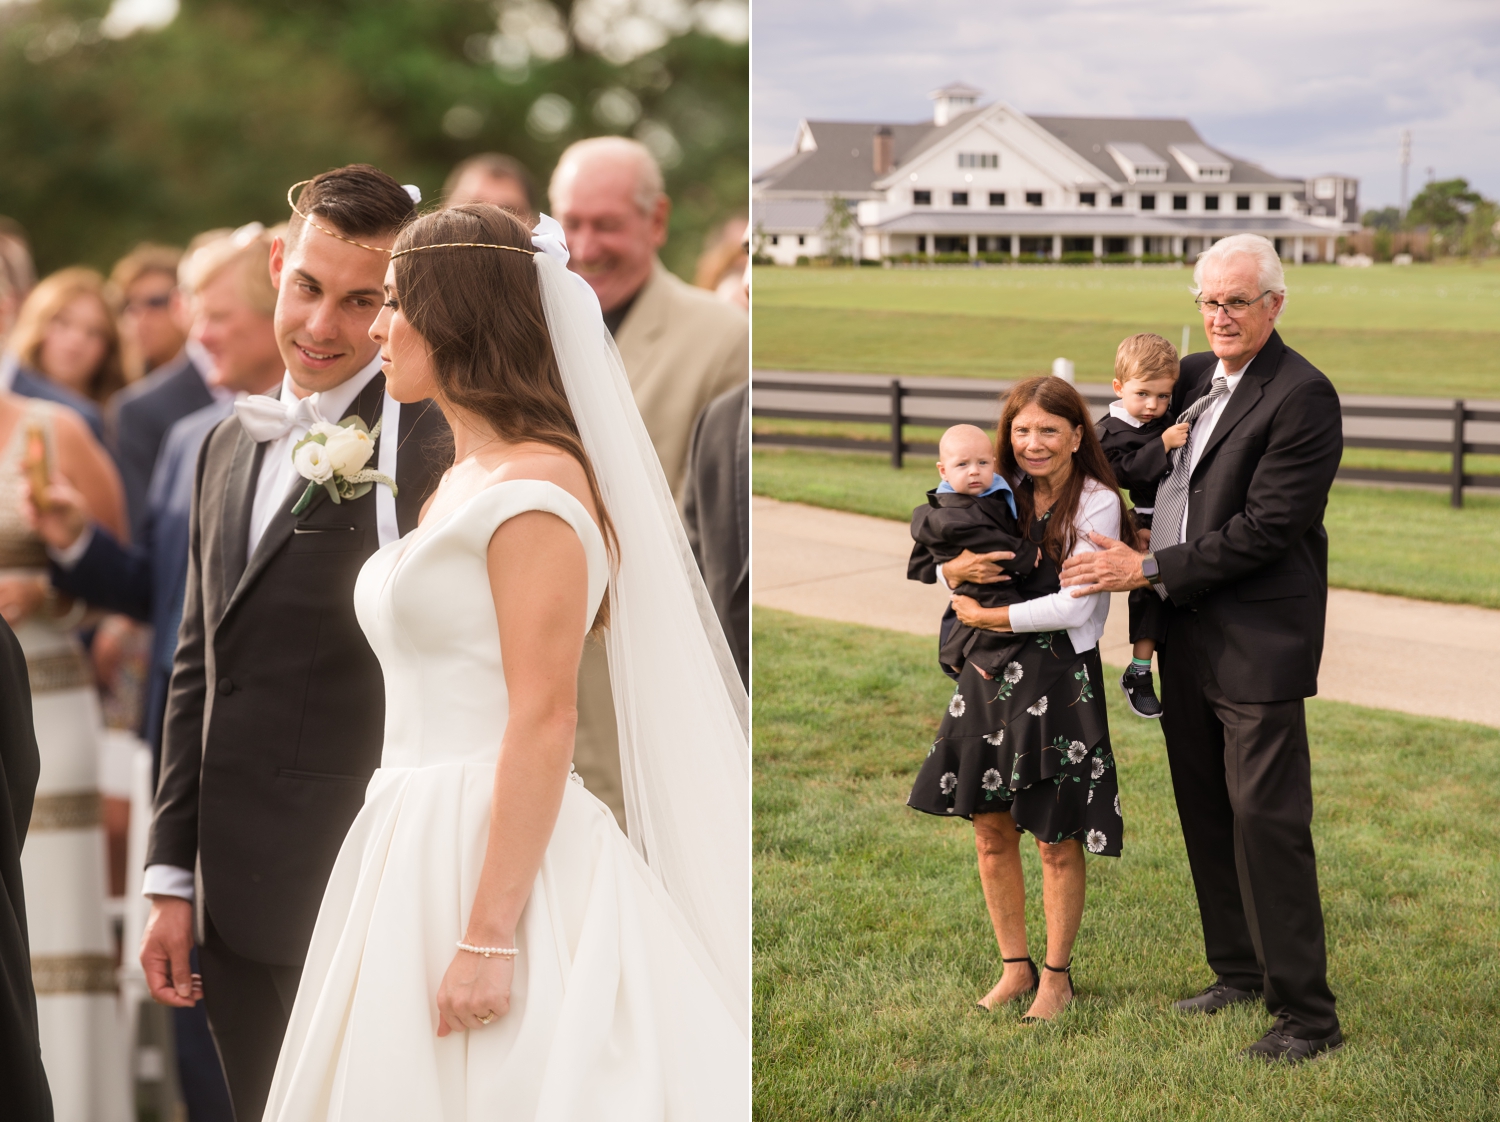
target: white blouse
<point>1081,616</point>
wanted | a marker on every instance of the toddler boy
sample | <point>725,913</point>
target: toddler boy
<point>972,508</point>
<point>1138,437</point>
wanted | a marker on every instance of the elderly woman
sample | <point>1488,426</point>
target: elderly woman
<point>1028,749</point>
<point>67,345</point>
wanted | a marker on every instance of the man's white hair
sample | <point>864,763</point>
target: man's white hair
<point>1270,277</point>
<point>649,186</point>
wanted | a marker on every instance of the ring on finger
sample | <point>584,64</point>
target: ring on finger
<point>487,1018</point>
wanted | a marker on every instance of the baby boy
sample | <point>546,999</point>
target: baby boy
<point>973,508</point>
<point>1138,437</point>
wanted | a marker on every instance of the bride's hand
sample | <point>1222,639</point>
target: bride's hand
<point>475,991</point>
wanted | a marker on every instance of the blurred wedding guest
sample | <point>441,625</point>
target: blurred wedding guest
<point>492,178</point>
<point>17,278</point>
<point>233,304</point>
<point>21,1075</point>
<point>155,326</point>
<point>716,513</point>
<point>681,347</point>
<point>721,266</point>
<point>68,345</point>
<point>64,863</point>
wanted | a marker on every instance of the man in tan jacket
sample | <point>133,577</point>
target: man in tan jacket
<point>682,348</point>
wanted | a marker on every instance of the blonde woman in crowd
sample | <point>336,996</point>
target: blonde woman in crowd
<point>67,344</point>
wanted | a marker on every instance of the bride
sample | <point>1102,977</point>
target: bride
<point>490,945</point>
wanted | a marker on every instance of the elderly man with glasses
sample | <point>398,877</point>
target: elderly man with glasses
<point>1240,556</point>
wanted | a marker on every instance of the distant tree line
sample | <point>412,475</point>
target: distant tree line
<point>1460,220</point>
<point>106,142</point>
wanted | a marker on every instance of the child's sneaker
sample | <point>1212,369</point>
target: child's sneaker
<point>1140,695</point>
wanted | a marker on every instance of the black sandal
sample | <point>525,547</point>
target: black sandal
<point>1036,980</point>
<point>1068,970</point>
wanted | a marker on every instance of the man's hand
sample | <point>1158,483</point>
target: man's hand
<point>62,515</point>
<point>976,568</point>
<point>166,945</point>
<point>1175,437</point>
<point>1115,568</point>
<point>20,596</point>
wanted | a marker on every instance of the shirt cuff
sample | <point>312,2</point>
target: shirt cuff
<point>168,880</point>
<point>943,576</point>
<point>67,559</point>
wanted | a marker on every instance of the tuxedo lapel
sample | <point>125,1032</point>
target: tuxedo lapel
<point>239,498</point>
<point>1250,390</point>
<point>283,521</point>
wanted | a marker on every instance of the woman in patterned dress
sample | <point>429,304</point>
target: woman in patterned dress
<point>1028,750</point>
<point>64,862</point>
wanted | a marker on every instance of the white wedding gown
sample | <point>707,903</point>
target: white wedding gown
<point>616,1012</point>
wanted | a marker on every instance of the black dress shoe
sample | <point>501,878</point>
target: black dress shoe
<point>1140,693</point>
<point>1216,997</point>
<point>1277,1047</point>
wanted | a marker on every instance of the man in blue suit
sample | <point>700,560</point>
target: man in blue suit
<point>233,304</point>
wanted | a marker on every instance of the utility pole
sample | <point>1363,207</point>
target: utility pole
<point>1405,167</point>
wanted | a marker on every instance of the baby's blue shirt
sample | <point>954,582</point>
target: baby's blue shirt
<point>999,484</point>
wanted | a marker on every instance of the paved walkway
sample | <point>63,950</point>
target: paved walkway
<point>852,568</point>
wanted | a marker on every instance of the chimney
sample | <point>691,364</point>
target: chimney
<point>885,150</point>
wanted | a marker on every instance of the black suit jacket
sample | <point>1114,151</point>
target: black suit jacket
<point>138,420</point>
<point>276,710</point>
<point>1255,563</point>
<point>23,1083</point>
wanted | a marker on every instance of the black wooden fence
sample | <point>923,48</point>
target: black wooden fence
<point>1456,479</point>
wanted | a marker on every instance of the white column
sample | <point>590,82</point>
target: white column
<point>1297,250</point>
<point>1136,248</point>
<point>973,246</point>
<point>931,244</point>
<point>1098,245</point>
<point>1057,247</point>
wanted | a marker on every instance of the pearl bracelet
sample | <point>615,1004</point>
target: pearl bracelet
<point>501,952</point>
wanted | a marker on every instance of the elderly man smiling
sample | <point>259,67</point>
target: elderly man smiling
<point>1240,556</point>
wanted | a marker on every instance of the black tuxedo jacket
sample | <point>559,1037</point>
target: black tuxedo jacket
<point>138,420</point>
<point>276,710</point>
<point>1255,563</point>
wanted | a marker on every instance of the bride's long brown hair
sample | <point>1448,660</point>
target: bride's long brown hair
<point>480,313</point>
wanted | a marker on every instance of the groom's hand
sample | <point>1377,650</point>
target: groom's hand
<point>166,947</point>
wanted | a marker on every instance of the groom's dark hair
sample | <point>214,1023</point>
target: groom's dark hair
<point>358,201</point>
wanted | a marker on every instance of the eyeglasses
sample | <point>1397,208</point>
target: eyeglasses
<point>1235,308</point>
<point>155,303</point>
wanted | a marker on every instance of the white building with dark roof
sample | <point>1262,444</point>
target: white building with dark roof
<point>988,179</point>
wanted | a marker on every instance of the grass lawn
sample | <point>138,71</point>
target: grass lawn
<point>1428,329</point>
<point>871,940</point>
<point>1405,543</point>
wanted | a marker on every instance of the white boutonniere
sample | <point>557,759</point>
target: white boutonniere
<point>332,458</point>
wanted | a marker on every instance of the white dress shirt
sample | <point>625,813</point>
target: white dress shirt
<point>1203,429</point>
<point>273,488</point>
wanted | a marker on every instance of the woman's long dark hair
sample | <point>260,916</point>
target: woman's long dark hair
<point>1054,396</point>
<point>480,313</point>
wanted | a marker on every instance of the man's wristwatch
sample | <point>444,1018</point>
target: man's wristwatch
<point>1149,568</point>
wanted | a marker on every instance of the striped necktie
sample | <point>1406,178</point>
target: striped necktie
<point>1172,496</point>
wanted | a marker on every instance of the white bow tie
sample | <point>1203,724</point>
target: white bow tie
<point>270,418</point>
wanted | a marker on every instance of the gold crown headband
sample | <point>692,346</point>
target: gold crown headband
<point>324,229</point>
<point>462,245</point>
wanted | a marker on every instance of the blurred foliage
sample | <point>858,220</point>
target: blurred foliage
<point>105,142</point>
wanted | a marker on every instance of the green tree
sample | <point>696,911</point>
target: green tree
<point>105,142</point>
<point>1443,205</point>
<point>837,228</point>
<point>1386,218</point>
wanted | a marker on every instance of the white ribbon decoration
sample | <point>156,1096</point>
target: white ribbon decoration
<point>270,418</point>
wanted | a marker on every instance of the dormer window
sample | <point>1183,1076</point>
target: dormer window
<point>1139,163</point>
<point>979,159</point>
<point>921,198</point>
<point>1201,162</point>
<point>1087,198</point>
<point>1273,202</point>
<point>1033,198</point>
<point>960,198</point>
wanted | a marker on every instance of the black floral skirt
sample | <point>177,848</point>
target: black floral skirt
<point>1033,741</point>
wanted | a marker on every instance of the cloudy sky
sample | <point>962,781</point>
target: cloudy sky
<point>1302,86</point>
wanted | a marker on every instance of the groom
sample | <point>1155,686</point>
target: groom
<point>276,709</point>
